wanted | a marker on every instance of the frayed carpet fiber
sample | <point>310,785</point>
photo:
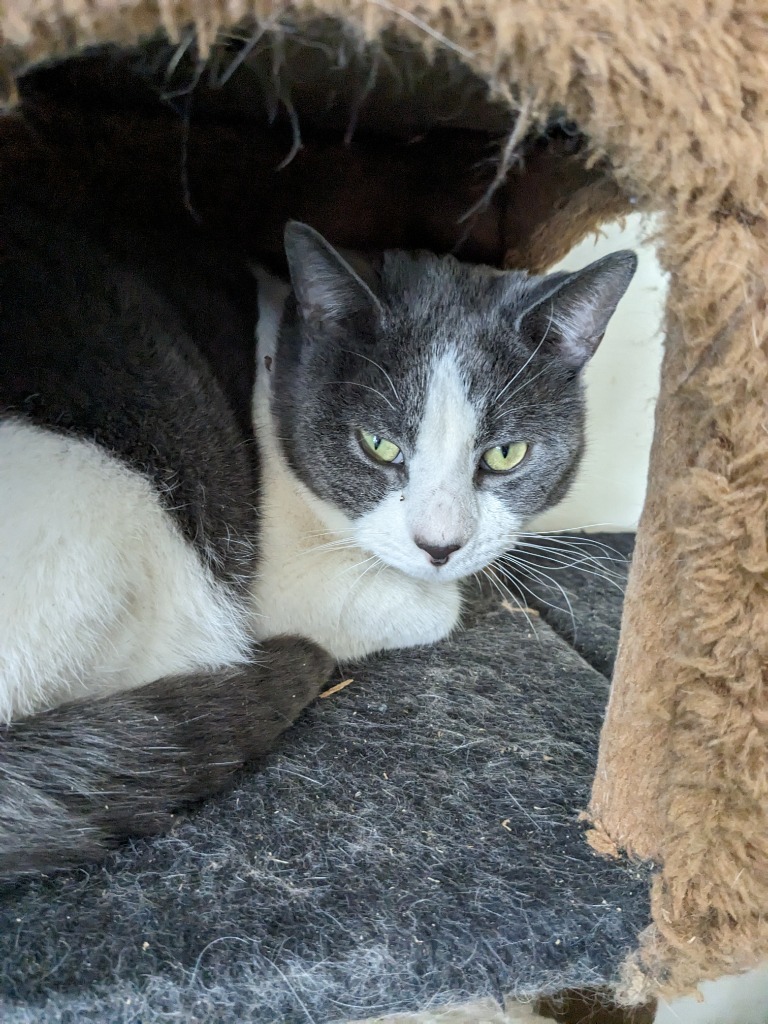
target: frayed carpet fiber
<point>414,842</point>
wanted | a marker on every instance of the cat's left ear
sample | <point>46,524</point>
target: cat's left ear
<point>572,318</point>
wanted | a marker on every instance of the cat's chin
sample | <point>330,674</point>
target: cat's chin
<point>426,573</point>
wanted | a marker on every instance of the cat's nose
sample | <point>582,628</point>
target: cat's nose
<point>438,553</point>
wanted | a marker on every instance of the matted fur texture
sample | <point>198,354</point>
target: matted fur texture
<point>414,843</point>
<point>674,93</point>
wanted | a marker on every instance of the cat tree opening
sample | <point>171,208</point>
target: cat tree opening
<point>377,146</point>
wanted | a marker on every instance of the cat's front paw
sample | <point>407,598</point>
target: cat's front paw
<point>298,669</point>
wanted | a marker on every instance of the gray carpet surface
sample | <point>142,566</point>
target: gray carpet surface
<point>583,599</point>
<point>415,841</point>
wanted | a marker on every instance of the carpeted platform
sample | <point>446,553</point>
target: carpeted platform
<point>416,841</point>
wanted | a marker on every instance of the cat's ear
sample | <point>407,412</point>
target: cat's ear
<point>572,317</point>
<point>328,286</point>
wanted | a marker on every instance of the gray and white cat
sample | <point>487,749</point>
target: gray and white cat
<point>167,599</point>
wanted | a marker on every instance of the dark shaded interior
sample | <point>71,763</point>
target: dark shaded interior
<point>375,146</point>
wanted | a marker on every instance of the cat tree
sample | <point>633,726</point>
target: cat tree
<point>506,131</point>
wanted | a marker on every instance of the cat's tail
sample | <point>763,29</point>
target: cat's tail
<point>78,779</point>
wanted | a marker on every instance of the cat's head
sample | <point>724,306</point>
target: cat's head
<point>432,408</point>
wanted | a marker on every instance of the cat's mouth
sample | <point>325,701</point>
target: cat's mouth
<point>442,569</point>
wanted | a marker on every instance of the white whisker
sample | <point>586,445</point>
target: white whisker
<point>378,367</point>
<point>374,559</point>
<point>334,545</point>
<point>516,392</point>
<point>541,577</point>
<point>612,580</point>
<point>355,565</point>
<point>576,545</point>
<point>575,530</point>
<point>367,387</point>
<point>597,558</point>
<point>505,593</point>
<point>559,559</point>
<point>329,533</point>
<point>523,367</point>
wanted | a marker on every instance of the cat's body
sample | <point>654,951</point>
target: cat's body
<point>127,488</point>
<point>150,561</point>
<point>128,547</point>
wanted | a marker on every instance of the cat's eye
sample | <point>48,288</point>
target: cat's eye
<point>379,448</point>
<point>504,457</point>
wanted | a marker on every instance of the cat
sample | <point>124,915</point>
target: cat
<point>412,414</point>
<point>173,592</point>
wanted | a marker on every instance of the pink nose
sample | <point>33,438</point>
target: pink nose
<point>438,553</point>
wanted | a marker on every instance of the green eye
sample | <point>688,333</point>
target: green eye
<point>380,449</point>
<point>504,457</point>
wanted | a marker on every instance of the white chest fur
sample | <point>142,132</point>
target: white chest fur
<point>342,598</point>
<point>314,582</point>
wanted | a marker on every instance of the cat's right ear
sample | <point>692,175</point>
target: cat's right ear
<point>328,287</point>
